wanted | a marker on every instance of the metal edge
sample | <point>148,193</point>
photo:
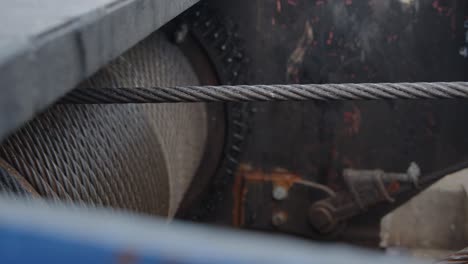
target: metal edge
<point>56,60</point>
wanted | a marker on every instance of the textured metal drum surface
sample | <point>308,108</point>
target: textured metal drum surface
<point>136,157</point>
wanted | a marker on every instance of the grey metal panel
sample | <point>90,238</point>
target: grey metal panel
<point>48,46</point>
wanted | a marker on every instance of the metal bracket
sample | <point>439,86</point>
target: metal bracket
<point>366,188</point>
<point>369,186</point>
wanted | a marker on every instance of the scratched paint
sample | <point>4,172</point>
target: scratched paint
<point>297,56</point>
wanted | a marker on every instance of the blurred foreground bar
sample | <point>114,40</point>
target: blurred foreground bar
<point>33,231</point>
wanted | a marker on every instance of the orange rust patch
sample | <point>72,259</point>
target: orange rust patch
<point>352,121</point>
<point>237,196</point>
<point>393,187</point>
<point>245,173</point>
<point>283,179</point>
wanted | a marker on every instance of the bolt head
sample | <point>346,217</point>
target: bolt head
<point>280,193</point>
<point>414,172</point>
<point>321,218</point>
<point>279,218</point>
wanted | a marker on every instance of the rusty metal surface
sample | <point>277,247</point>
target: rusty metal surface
<point>276,199</point>
<point>294,41</point>
<point>352,41</point>
<point>288,202</point>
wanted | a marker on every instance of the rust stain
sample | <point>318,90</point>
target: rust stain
<point>245,173</point>
<point>237,194</point>
<point>242,212</point>
<point>279,177</point>
<point>352,121</point>
<point>394,187</point>
<point>442,8</point>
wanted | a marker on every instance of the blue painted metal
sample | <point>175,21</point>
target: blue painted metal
<point>36,232</point>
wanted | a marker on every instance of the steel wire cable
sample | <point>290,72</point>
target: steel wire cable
<point>292,92</point>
